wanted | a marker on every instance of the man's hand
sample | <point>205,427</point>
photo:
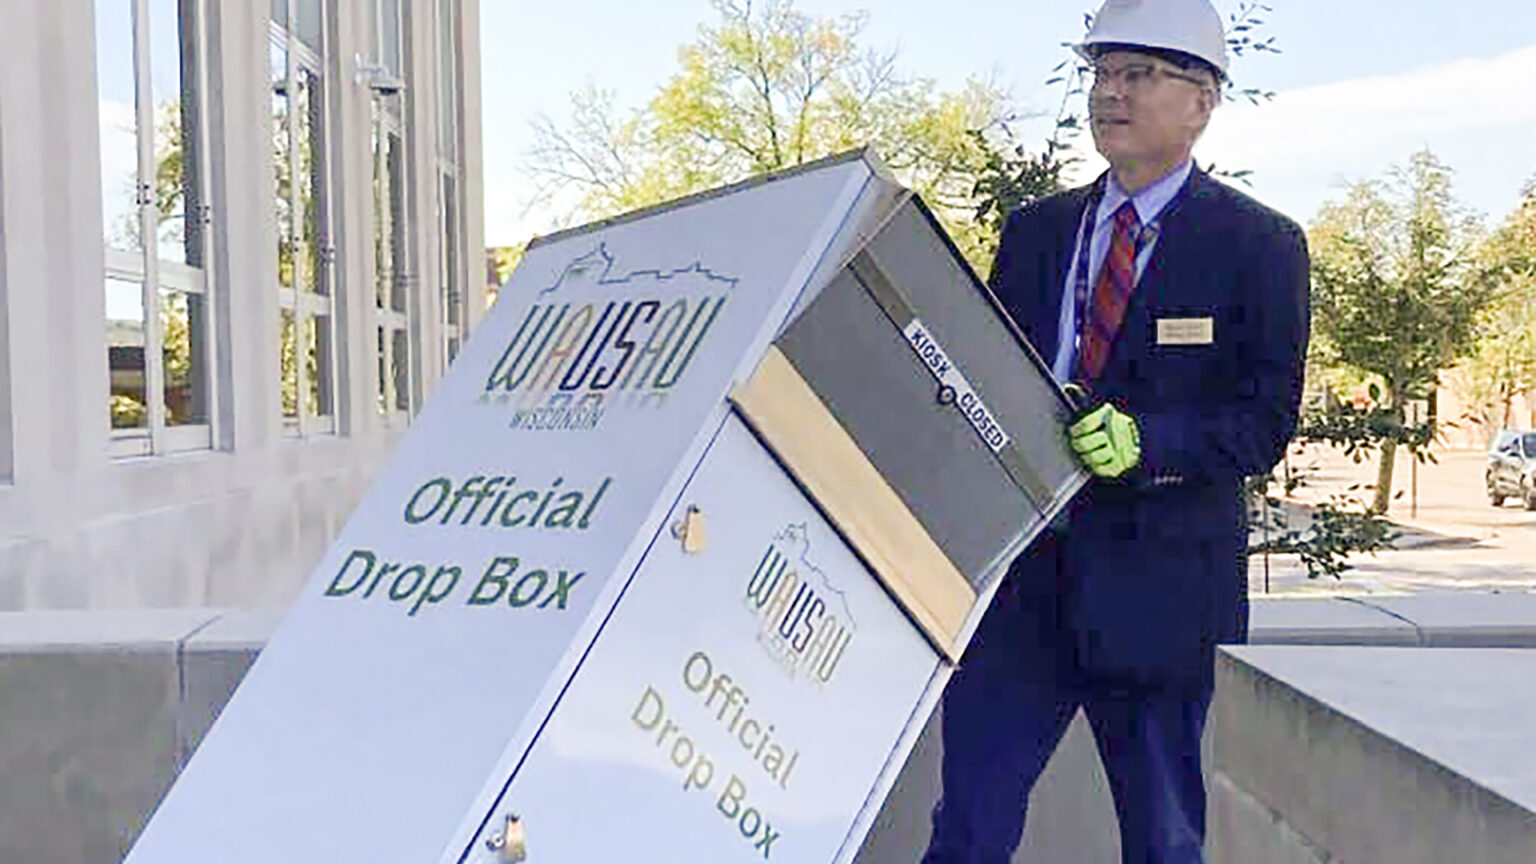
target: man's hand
<point>1106,441</point>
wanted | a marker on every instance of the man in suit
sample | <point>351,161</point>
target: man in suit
<point>1179,305</point>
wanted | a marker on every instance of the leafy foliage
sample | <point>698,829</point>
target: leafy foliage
<point>1340,526</point>
<point>1396,292</point>
<point>1503,364</point>
<point>500,262</point>
<point>1011,177</point>
<point>1360,432</point>
<point>763,88</point>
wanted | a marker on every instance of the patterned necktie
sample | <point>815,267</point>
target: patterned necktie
<point>1106,310</point>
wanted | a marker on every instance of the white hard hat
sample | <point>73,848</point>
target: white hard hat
<point>1190,27</point>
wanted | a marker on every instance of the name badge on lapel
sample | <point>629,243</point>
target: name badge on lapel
<point>1186,331</point>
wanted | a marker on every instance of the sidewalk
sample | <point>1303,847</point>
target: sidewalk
<point>1452,540</point>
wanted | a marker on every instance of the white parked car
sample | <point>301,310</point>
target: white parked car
<point>1512,468</point>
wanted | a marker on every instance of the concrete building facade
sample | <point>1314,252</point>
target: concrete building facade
<point>239,242</point>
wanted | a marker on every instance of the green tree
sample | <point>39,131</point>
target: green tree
<point>766,87</point>
<point>1503,366</point>
<point>500,261</point>
<point>1396,290</point>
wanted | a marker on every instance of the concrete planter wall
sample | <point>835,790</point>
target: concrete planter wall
<point>1343,734</point>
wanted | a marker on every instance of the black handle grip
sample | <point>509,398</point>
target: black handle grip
<point>1079,400</point>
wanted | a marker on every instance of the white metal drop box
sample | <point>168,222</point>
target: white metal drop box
<point>672,567</point>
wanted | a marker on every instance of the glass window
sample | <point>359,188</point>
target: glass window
<point>158,330</point>
<point>448,78</point>
<point>119,124</point>
<point>389,34</point>
<point>308,170</point>
<point>184,338</point>
<point>178,201</point>
<point>391,282</point>
<point>400,359</point>
<point>316,371</point>
<point>304,255</point>
<point>384,371</point>
<point>317,358</point>
<point>282,161</point>
<point>394,278</point>
<point>389,52</point>
<point>288,366</point>
<point>125,361</point>
<point>392,292</point>
<point>309,20</point>
<point>385,250</point>
<point>453,293</point>
<point>1530,445</point>
<point>455,316</point>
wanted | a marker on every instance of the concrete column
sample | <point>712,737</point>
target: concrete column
<point>471,164</point>
<point>24,445</point>
<point>424,197</point>
<point>72,302</point>
<point>55,363</point>
<point>352,219</point>
<point>244,263</point>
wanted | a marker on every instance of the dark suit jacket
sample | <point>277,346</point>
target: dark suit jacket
<point>1151,572</point>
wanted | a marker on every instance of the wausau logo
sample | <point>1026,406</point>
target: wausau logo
<point>802,620</point>
<point>569,363</point>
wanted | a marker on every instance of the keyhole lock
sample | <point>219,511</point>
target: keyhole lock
<point>512,843</point>
<point>690,530</point>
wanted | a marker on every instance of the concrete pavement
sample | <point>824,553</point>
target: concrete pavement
<point>1452,538</point>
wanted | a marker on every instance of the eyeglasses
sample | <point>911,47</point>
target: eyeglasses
<point>1138,76</point>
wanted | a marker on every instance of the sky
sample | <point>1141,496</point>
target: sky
<point>1360,84</point>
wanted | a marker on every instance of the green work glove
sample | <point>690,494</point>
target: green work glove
<point>1106,441</point>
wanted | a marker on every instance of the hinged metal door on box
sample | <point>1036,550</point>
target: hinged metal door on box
<point>918,367</point>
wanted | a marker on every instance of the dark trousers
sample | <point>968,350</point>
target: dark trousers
<point>1006,709</point>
